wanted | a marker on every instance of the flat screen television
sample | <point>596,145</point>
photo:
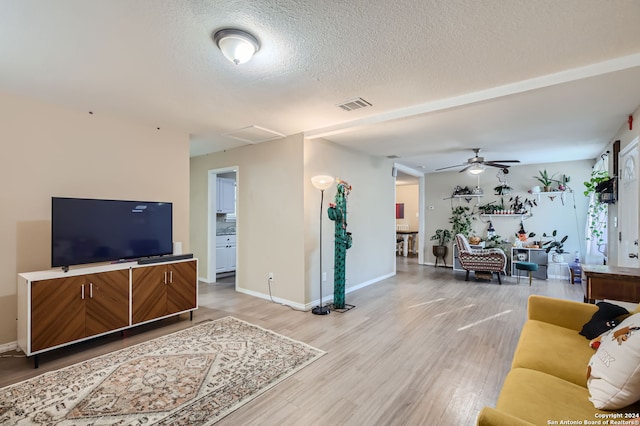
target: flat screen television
<point>91,231</point>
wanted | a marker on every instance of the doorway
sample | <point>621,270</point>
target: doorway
<point>414,176</point>
<point>222,229</point>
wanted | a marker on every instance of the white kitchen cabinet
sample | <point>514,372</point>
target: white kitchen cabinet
<point>225,196</point>
<point>225,253</point>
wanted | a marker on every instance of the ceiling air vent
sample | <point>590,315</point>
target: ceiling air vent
<point>354,104</point>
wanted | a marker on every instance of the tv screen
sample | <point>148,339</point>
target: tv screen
<point>91,231</point>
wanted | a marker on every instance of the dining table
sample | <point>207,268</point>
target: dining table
<point>406,236</point>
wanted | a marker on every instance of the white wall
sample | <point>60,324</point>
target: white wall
<point>52,151</point>
<point>269,224</point>
<point>547,216</point>
<point>278,216</point>
<point>370,217</point>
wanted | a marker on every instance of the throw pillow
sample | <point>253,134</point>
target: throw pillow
<point>605,318</point>
<point>613,374</point>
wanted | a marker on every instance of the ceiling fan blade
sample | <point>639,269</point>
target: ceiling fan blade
<point>503,161</point>
<point>451,167</point>
<point>502,166</point>
<point>465,169</point>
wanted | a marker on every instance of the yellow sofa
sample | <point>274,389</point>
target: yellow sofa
<point>547,383</point>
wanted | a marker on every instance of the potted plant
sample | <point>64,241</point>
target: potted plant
<point>545,179</point>
<point>503,189</point>
<point>494,241</point>
<point>443,236</point>
<point>556,245</point>
<point>521,205</point>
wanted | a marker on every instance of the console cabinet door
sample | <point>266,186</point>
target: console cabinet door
<point>148,293</point>
<point>57,312</point>
<point>107,298</point>
<point>182,287</point>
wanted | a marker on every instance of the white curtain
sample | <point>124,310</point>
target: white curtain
<point>596,246</point>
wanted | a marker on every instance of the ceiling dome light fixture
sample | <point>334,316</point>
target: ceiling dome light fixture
<point>236,45</point>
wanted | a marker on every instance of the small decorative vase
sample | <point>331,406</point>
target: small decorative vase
<point>557,258</point>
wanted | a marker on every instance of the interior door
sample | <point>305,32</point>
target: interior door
<point>628,215</point>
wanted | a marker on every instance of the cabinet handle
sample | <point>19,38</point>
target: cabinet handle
<point>165,277</point>
<point>170,277</point>
<point>91,290</point>
<point>82,292</point>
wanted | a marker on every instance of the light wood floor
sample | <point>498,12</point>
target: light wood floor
<point>421,348</point>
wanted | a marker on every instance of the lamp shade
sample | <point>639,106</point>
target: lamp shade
<point>236,45</point>
<point>322,182</point>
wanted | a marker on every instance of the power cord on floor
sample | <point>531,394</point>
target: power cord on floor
<point>283,304</point>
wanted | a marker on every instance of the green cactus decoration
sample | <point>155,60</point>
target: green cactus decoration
<point>338,213</point>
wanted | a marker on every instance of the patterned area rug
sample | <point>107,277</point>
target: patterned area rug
<point>192,377</point>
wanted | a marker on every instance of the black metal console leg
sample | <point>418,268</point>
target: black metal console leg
<point>191,316</point>
<point>36,361</point>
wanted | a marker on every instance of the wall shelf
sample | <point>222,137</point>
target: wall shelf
<point>466,197</point>
<point>553,194</point>
<point>492,216</point>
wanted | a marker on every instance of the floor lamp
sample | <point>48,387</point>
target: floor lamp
<point>321,182</point>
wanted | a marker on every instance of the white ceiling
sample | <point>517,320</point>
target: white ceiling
<point>534,80</point>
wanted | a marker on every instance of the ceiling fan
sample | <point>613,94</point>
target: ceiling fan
<point>476,164</point>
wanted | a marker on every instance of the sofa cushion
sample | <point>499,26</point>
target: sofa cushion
<point>614,370</point>
<point>555,350</point>
<point>540,398</point>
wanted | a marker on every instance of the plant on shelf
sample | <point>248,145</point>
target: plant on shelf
<point>488,208</point>
<point>460,220</point>
<point>545,179</point>
<point>562,182</point>
<point>596,214</point>
<point>503,189</point>
<point>521,205</point>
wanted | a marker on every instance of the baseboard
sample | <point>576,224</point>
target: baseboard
<point>6,347</point>
<point>308,306</point>
<point>329,298</point>
<point>205,280</point>
<point>276,299</point>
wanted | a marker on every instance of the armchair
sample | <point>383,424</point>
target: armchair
<point>490,260</point>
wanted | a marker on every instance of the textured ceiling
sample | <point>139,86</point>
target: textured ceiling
<point>516,77</point>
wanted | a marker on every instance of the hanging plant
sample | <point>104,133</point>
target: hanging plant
<point>596,213</point>
<point>460,220</point>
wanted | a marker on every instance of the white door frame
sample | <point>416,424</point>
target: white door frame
<point>420,176</point>
<point>211,221</point>
<point>628,215</point>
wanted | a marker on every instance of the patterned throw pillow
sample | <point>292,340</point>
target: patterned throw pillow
<point>605,318</point>
<point>613,374</point>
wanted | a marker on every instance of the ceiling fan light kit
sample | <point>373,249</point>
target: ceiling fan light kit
<point>476,169</point>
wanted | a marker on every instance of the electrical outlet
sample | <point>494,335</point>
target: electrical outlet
<point>270,276</point>
<point>324,276</point>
